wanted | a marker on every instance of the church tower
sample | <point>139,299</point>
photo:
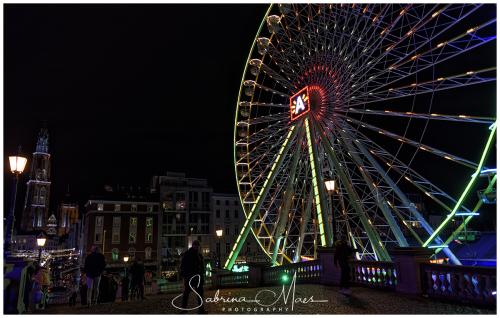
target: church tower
<point>36,204</point>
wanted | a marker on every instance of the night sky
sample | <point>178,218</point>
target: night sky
<point>127,91</point>
<point>132,91</point>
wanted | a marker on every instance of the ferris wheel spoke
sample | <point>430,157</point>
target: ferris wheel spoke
<point>443,51</point>
<point>431,116</point>
<point>262,119</point>
<point>416,144</point>
<point>267,132</point>
<point>444,19</point>
<point>370,149</point>
<point>247,226</point>
<point>261,66</point>
<point>439,84</point>
<point>251,85</point>
<point>405,200</point>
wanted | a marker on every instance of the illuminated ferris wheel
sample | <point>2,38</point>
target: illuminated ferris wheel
<point>356,120</point>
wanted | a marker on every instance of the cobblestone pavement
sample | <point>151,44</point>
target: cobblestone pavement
<point>362,301</point>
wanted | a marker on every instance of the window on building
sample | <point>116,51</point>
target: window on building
<point>217,202</point>
<point>132,236</point>
<point>217,213</point>
<point>227,214</point>
<point>149,230</point>
<point>227,202</point>
<point>133,208</point>
<point>227,230</point>
<point>115,254</point>
<point>236,214</point>
<point>131,253</point>
<point>248,248</point>
<point>117,207</point>
<point>98,229</point>
<point>236,230</point>
<point>100,207</point>
<point>115,237</point>
<point>228,248</point>
<point>150,208</point>
<point>235,202</point>
<point>147,253</point>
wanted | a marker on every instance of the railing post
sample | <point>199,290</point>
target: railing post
<point>256,273</point>
<point>330,275</point>
<point>407,262</point>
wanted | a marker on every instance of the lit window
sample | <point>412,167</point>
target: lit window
<point>115,254</point>
<point>100,207</point>
<point>147,252</point>
<point>131,253</point>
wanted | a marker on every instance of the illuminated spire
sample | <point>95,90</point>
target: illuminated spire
<point>42,144</point>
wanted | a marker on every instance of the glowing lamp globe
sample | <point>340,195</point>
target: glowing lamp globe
<point>17,164</point>
<point>219,233</point>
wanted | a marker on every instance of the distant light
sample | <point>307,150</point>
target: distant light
<point>125,259</point>
<point>219,233</point>
<point>466,213</point>
<point>285,278</point>
<point>437,246</point>
<point>41,241</point>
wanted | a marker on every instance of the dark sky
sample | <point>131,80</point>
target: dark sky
<point>127,91</point>
<point>131,91</point>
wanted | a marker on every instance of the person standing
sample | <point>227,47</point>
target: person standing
<point>342,256</point>
<point>192,270</point>
<point>94,266</point>
<point>125,287</point>
<point>137,271</point>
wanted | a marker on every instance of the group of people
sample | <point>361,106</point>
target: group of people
<point>96,286</point>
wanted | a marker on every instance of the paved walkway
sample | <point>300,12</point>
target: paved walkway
<point>362,301</point>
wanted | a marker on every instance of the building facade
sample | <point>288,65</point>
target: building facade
<point>36,206</point>
<point>185,215</point>
<point>123,228</point>
<point>228,216</point>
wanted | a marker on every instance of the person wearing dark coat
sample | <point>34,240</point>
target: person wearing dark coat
<point>125,287</point>
<point>342,256</point>
<point>137,284</point>
<point>192,270</point>
<point>94,266</point>
<point>83,290</point>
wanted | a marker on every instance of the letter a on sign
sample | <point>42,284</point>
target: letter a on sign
<point>299,104</point>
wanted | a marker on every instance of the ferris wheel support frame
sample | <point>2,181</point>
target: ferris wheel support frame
<point>381,203</point>
<point>285,208</point>
<point>380,251</point>
<point>247,226</point>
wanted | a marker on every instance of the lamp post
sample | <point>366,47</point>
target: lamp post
<point>40,241</point>
<point>330,188</point>
<point>219,235</point>
<point>17,165</point>
<point>125,260</point>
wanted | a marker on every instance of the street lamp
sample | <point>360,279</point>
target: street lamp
<point>125,260</point>
<point>330,185</point>
<point>40,241</point>
<point>17,165</point>
<point>219,235</point>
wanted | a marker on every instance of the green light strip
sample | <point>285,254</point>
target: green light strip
<point>467,189</point>
<point>315,185</point>
<point>469,218</point>
<point>247,226</point>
